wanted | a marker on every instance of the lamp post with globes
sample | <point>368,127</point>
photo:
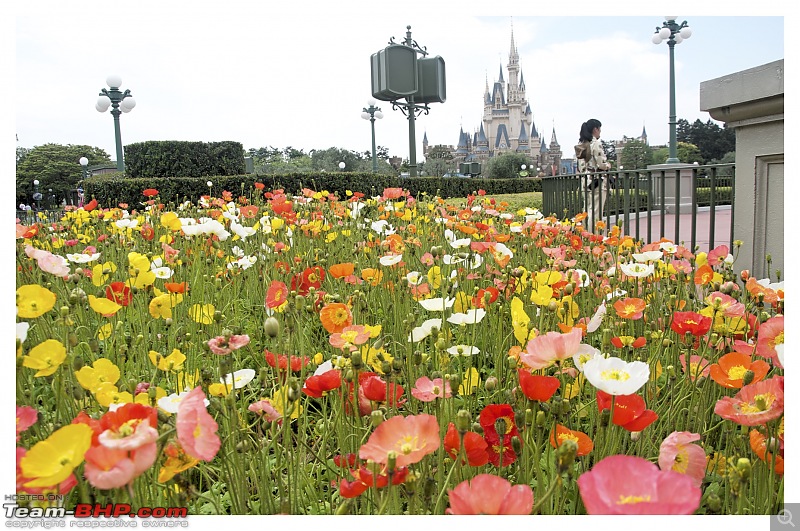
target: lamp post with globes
<point>341,166</point>
<point>522,172</point>
<point>371,113</point>
<point>119,102</point>
<point>673,33</point>
<point>37,196</point>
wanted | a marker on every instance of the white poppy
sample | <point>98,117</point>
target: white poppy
<point>390,259</point>
<point>424,330</point>
<point>415,278</point>
<point>616,293</point>
<point>126,223</point>
<point>239,379</point>
<point>779,350</point>
<point>460,244</point>
<point>637,270</point>
<point>438,304</point>
<point>170,403</point>
<point>648,256</point>
<point>586,279</point>
<point>615,376</point>
<point>82,258</point>
<point>668,247</point>
<point>585,353</point>
<point>597,318</point>
<point>22,331</point>
<point>472,316</point>
<point>241,231</point>
<point>463,350</point>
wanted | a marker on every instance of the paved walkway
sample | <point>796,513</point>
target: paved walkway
<point>703,237</point>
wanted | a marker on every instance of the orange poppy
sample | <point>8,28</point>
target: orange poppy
<point>730,369</point>
<point>758,443</point>
<point>150,192</point>
<point>91,205</point>
<point>342,270</point>
<point>703,275</point>
<point>249,211</point>
<point>566,328</point>
<point>466,229</point>
<point>176,287</point>
<point>500,238</point>
<point>372,275</point>
<point>259,186</point>
<point>562,433</point>
<point>630,308</point>
<point>752,286</point>
<point>335,317</point>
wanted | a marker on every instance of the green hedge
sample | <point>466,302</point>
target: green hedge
<point>113,189</point>
<point>172,158</point>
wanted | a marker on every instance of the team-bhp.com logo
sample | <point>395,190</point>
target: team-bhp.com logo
<point>84,515</point>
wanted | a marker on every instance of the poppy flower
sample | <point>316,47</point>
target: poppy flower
<point>375,389</point>
<point>690,322</point>
<point>474,446</point>
<point>623,484</point>
<point>52,460</point>
<point>428,390</point>
<point>108,468</point>
<point>479,300</point>
<point>499,444</point>
<point>350,337</point>
<point>698,366</point>
<point>119,293</point>
<point>679,454</point>
<point>249,211</point>
<point>770,334</point>
<point>562,433</point>
<point>755,404</point>
<point>615,376</point>
<point>33,301</point>
<point>259,186</point>
<point>129,427</point>
<point>628,341</point>
<point>174,461</point>
<point>630,411</point>
<point>91,205</point>
<point>536,387</point>
<point>317,385</point>
<point>223,345</point>
<point>147,232</point>
<point>342,270</point>
<point>62,488</point>
<point>489,494</point>
<point>411,438</point>
<point>197,430</point>
<point>26,417</point>
<point>46,357</point>
<point>335,317</point>
<point>282,362</point>
<point>277,293</point>
<point>729,371</point>
<point>542,351</point>
<point>176,287</point>
<point>630,308</point>
<point>758,443</point>
<point>150,192</point>
<point>372,276</point>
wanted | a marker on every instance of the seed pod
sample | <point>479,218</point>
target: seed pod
<point>272,327</point>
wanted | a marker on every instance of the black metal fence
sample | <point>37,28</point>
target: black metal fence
<point>635,197</point>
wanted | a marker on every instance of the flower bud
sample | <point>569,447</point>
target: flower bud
<point>72,339</point>
<point>565,454</point>
<point>744,468</point>
<point>477,428</point>
<point>516,444</point>
<point>714,503</point>
<point>490,384</point>
<point>463,420</point>
<point>528,421</point>
<point>272,327</point>
<point>635,435</point>
<point>377,418</point>
<point>356,361</point>
<point>552,306</point>
<point>541,417</point>
<point>64,311</point>
<point>391,461</point>
<point>744,275</point>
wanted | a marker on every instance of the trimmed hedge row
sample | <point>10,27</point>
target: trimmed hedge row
<point>112,189</point>
<point>172,158</point>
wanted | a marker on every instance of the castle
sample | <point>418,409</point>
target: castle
<point>507,126</point>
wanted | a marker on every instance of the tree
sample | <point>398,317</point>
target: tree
<point>711,140</point>
<point>610,150</point>
<point>635,155</point>
<point>506,166</point>
<point>687,153</point>
<point>329,159</point>
<point>57,168</point>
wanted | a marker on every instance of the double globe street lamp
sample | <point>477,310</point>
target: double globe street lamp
<point>673,33</point>
<point>119,102</point>
<point>371,113</point>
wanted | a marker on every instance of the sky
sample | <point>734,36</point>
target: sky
<point>300,77</point>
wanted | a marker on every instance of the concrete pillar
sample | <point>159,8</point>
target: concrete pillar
<point>751,102</point>
<point>673,173</point>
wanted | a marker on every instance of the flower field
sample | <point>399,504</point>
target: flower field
<point>309,354</point>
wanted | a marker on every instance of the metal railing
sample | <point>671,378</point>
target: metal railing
<point>636,197</point>
<point>29,217</point>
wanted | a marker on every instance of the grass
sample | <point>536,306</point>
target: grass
<point>515,201</point>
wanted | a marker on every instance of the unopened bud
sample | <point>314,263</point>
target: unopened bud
<point>77,363</point>
<point>528,417</point>
<point>64,311</point>
<point>552,306</point>
<point>541,417</point>
<point>516,444</point>
<point>714,503</point>
<point>72,339</point>
<point>490,384</point>
<point>635,435</point>
<point>355,360</point>
<point>744,467</point>
<point>272,327</point>
<point>391,461</point>
<point>377,418</point>
<point>565,454</point>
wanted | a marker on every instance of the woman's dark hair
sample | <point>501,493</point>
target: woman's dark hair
<point>587,128</point>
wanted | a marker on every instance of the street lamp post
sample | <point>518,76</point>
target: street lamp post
<point>341,166</point>
<point>522,172</point>
<point>120,102</point>
<point>36,195</point>
<point>371,113</point>
<point>673,33</point>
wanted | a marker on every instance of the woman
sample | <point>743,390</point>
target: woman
<point>595,185</point>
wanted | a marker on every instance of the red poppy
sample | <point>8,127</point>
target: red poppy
<point>147,232</point>
<point>282,362</point>
<point>630,411</point>
<point>499,449</point>
<point>259,186</point>
<point>351,489</point>
<point>128,416</point>
<point>316,386</point>
<point>690,322</point>
<point>91,205</point>
<point>150,192</point>
<point>249,211</point>
<point>311,277</point>
<point>344,461</point>
<point>32,231</point>
<point>536,387</point>
<point>562,433</point>
<point>474,446</point>
<point>119,293</point>
<point>628,341</point>
<point>276,294</point>
<point>377,390</point>
<point>479,300</point>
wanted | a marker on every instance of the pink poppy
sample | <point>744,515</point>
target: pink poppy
<point>169,253</point>
<point>717,255</point>
<point>48,262</point>
<point>350,337</point>
<point>429,390</point>
<point>624,484</point>
<point>411,438</point>
<point>107,468</point>
<point>488,494</point>
<point>26,417</point>
<point>197,430</point>
<point>543,350</point>
<point>698,366</point>
<point>265,409</point>
<point>223,345</point>
<point>392,193</point>
<point>678,454</point>
<point>770,333</point>
<point>754,404</point>
<point>427,259</point>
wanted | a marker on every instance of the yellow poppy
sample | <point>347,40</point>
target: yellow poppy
<point>99,275</point>
<point>170,221</point>
<point>471,382</point>
<point>520,320</point>
<point>33,301</point>
<point>103,306</point>
<point>52,461</point>
<point>102,371</point>
<point>108,394</point>
<point>202,313</point>
<point>435,277</point>
<point>46,357</point>
<point>172,362</point>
